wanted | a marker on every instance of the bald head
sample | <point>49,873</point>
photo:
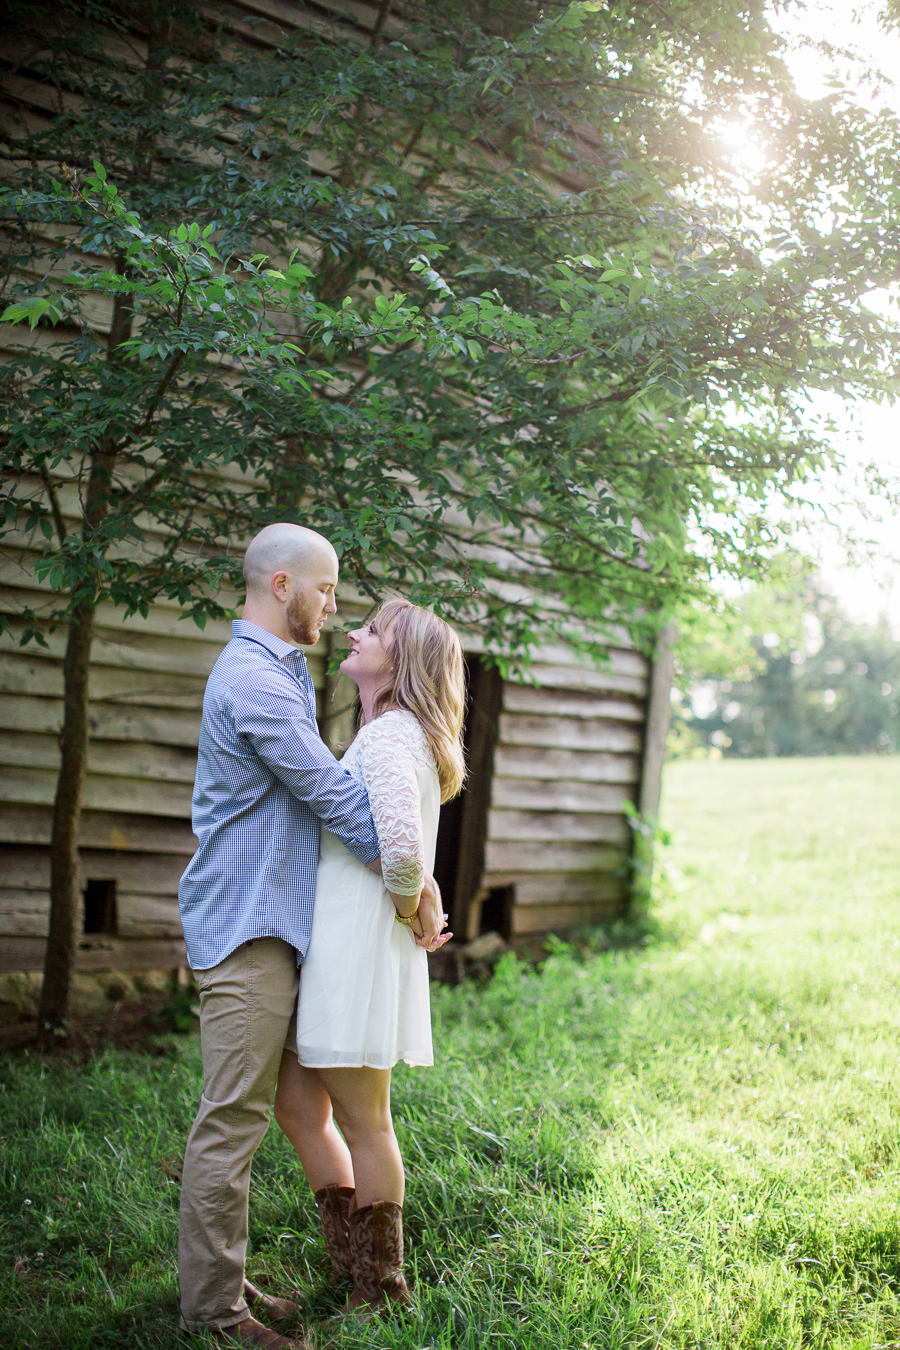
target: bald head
<point>284,548</point>
<point>291,574</point>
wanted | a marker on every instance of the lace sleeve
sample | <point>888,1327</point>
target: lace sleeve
<point>390,767</point>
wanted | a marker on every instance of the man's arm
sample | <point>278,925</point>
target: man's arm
<point>272,719</point>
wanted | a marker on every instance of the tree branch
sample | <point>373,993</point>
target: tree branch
<point>54,503</point>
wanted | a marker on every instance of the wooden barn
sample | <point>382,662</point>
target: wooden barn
<point>538,840</point>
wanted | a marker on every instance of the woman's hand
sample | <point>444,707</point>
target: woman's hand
<point>426,914</point>
<point>432,918</point>
<point>416,927</point>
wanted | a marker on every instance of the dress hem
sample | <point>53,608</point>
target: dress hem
<point>366,1063</point>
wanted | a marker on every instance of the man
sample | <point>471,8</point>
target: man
<point>265,779</point>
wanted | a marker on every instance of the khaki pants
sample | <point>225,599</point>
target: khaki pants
<point>247,1010</point>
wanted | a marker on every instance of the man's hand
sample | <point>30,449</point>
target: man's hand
<point>431,917</point>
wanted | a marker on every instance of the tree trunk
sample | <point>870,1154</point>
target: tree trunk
<point>64,861</point>
<point>65,879</point>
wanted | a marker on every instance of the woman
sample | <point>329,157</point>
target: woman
<point>364,983</point>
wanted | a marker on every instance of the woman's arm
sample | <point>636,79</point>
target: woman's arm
<point>390,770</point>
<point>430,918</point>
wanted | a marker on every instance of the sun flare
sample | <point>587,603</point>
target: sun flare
<point>743,144</point>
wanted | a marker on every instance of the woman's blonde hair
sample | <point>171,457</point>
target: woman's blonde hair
<point>428,680</point>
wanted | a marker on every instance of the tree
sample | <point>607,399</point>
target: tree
<point>477,292</point>
<point>153,458</point>
<point>787,673</point>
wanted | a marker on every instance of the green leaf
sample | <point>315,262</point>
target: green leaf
<point>13,313</point>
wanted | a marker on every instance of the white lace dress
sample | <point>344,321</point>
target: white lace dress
<point>364,982</point>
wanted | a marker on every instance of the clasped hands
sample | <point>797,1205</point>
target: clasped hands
<point>428,919</point>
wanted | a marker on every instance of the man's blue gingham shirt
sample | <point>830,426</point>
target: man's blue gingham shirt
<point>265,779</point>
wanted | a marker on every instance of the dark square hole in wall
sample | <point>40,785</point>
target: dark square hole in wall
<point>100,908</point>
<point>496,911</point>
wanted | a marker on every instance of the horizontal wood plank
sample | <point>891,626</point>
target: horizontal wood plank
<point>27,914</point>
<point>569,887</point>
<point>24,824</point>
<point>162,621</point>
<point>148,915</point>
<point>101,954</point>
<point>512,761</point>
<point>128,650</point>
<point>621,660</point>
<point>101,793</point>
<point>130,52</point>
<point>361,17</point>
<point>569,733</point>
<point>542,701</point>
<point>23,673</point>
<point>291,16</point>
<point>577,677</point>
<point>164,763</point>
<point>559,918</point>
<point>150,874</point>
<point>584,827</point>
<point>41,95</point>
<point>555,794</point>
<point>23,912</point>
<point>505,862</point>
<point>19,712</point>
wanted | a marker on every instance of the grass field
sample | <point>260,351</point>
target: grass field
<point>689,1143</point>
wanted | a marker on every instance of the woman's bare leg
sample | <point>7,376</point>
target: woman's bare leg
<point>362,1108</point>
<point>303,1110</point>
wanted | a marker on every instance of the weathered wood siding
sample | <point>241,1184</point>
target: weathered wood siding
<point>548,829</point>
<point>567,754</point>
<point>564,754</point>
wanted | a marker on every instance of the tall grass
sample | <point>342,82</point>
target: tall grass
<point>690,1143</point>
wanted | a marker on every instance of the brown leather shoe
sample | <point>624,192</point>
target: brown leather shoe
<point>251,1332</point>
<point>376,1249</point>
<point>276,1309</point>
<point>334,1203</point>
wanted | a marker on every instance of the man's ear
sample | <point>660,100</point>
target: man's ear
<point>280,583</point>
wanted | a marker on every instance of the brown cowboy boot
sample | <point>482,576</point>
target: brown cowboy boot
<point>250,1332</point>
<point>376,1251</point>
<point>334,1208</point>
<point>278,1309</point>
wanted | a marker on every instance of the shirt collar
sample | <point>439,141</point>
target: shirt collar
<point>243,628</point>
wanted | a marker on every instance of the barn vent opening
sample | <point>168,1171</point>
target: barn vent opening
<point>496,911</point>
<point>101,913</point>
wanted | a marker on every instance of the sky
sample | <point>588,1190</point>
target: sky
<point>873,588</point>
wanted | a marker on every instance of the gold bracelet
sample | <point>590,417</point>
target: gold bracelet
<point>400,918</point>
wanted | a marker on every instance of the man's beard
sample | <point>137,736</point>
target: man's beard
<point>302,621</point>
